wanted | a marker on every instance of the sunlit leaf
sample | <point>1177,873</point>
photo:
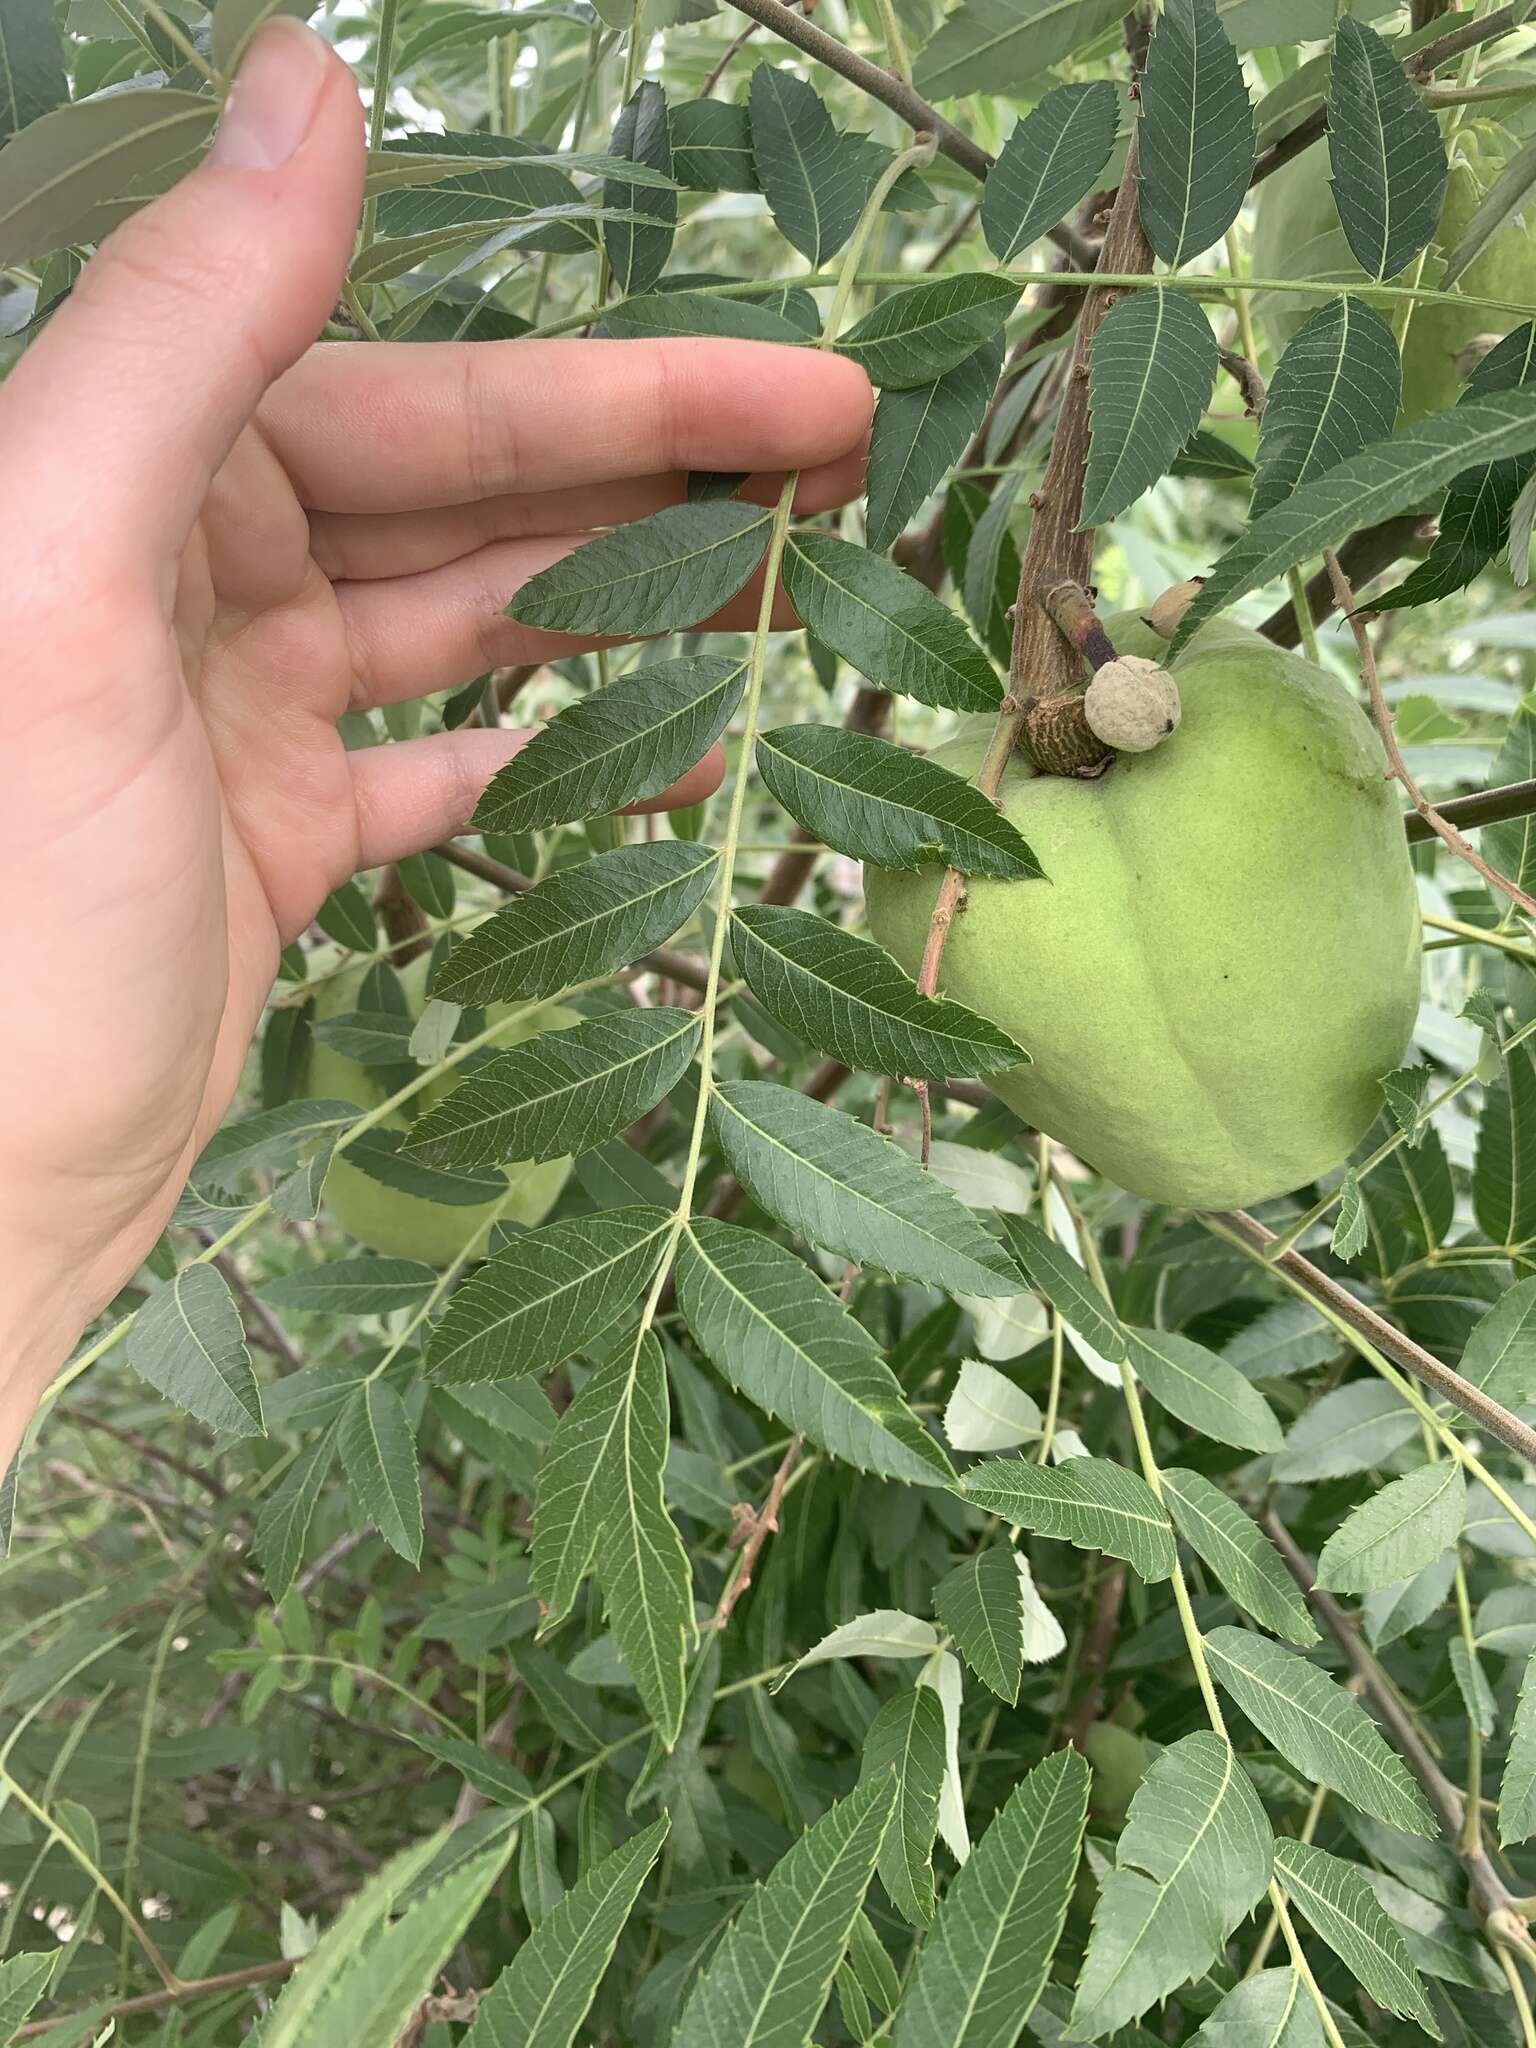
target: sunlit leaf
<point>1090,1502</point>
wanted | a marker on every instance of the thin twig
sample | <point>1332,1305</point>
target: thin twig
<point>753,1528</point>
<point>1483,807</point>
<point>270,1330</point>
<point>1098,1646</point>
<point>1426,810</point>
<point>84,1419</point>
<point>156,2001</point>
<point>1488,1414</point>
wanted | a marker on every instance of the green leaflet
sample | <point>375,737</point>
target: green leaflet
<point>667,314</point>
<point>617,746</point>
<point>1196,132</point>
<point>562,1092</point>
<point>1517,1787</point>
<point>1383,479</point>
<point>1154,357</point>
<point>1335,1897</point>
<point>1396,1533</point>
<point>918,434</point>
<point>1202,1389</point>
<point>1272,2010</point>
<point>188,1341</point>
<point>770,1977</point>
<point>906,1740</point>
<point>1066,1286</point>
<point>801,166</point>
<point>981,1968</point>
<point>998,1620</point>
<point>656,575</point>
<point>1238,1554</point>
<point>358,1287</point>
<point>600,1498</point>
<point>1500,1354</point>
<point>1389,163</point>
<point>542,1997</point>
<point>1337,388</point>
<point>928,329</point>
<point>549,1293</point>
<point>32,80</point>
<point>848,1189</point>
<point>1317,1727</point>
<point>1504,1178</point>
<point>847,996</point>
<point>582,921</point>
<point>378,1452</point>
<point>1047,165</point>
<point>1350,1429</point>
<point>639,254</point>
<point>784,1339</point>
<point>998,45</point>
<point>1502,202</point>
<point>1090,1502</point>
<point>282,1526</point>
<point>887,624</point>
<point>877,802</point>
<point>23,1978</point>
<point>1193,1860</point>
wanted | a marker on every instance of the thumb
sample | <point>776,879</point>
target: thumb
<point>143,380</point>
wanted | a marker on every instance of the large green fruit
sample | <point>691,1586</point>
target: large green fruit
<point>1297,234</point>
<point>1224,956</point>
<point>388,1220</point>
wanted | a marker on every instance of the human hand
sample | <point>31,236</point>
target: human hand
<point>217,539</point>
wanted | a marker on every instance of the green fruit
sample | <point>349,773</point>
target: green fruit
<point>1297,234</point>
<point>1224,956</point>
<point>1119,1761</point>
<point>386,1219</point>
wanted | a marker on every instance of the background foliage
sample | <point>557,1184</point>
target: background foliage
<point>783,1592</point>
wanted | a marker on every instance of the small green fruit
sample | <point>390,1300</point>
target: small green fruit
<point>387,1220</point>
<point>1119,1761</point>
<point>1224,956</point>
<point>1297,234</point>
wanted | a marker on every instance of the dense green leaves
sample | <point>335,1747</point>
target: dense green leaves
<point>1383,479</point>
<point>188,1341</point>
<point>1090,1502</point>
<point>876,802</point>
<point>998,1620</point>
<point>639,254</point>
<point>784,1340</point>
<point>656,575</point>
<point>565,1091</point>
<point>996,45</point>
<point>917,434</point>
<point>906,1739</point>
<point>1238,1554</point>
<point>546,1295</point>
<point>847,996</point>
<point>1316,1726</point>
<point>1337,388</point>
<point>583,921</point>
<point>32,80</point>
<point>1397,1532</point>
<point>1047,164</point>
<point>1154,357</point>
<point>918,334</point>
<point>1341,1905</point>
<point>844,1187</point>
<point>1202,1390</point>
<point>801,166</point>
<point>1196,132</point>
<point>378,1451</point>
<point>541,1999</point>
<point>982,1967</point>
<point>766,1984</point>
<point>1389,164</point>
<point>1066,1286</point>
<point>1192,1861</point>
<point>887,624</point>
<point>617,746</point>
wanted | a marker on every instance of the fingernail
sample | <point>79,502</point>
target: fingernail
<point>272,100</point>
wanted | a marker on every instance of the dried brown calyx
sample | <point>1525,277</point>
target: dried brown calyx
<point>1129,704</point>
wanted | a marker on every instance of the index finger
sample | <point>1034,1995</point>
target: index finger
<point>401,426</point>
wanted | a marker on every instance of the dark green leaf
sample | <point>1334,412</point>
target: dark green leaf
<point>655,575</point>
<point>187,1341</point>
<point>1389,163</point>
<point>800,165</point>
<point>920,333</point>
<point>1386,478</point>
<point>785,1341</point>
<point>999,1622</point>
<point>1317,1727</point>
<point>917,435</point>
<point>1154,358</point>
<point>639,254</point>
<point>1504,1180</point>
<point>892,629</point>
<point>1238,1554</point>
<point>1342,1907</point>
<point>617,746</point>
<point>346,916</point>
<point>1196,132</point>
<point>1500,1354</point>
<point>1272,2010</point>
<point>994,46</point>
<point>582,921</point>
<point>378,1450</point>
<point>1066,1286</point>
<point>1202,1389</point>
<point>846,1188</point>
<point>549,1293</point>
<point>1517,1787</point>
<point>283,1523</point>
<point>563,1092</point>
<point>357,1287</point>
<point>1397,1532</point>
<point>712,147</point>
<point>1337,388</point>
<point>32,81</point>
<point>906,1740</point>
<point>847,996</point>
<point>1090,1502</point>
<point>1047,165</point>
<point>669,314</point>
<point>877,802</point>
